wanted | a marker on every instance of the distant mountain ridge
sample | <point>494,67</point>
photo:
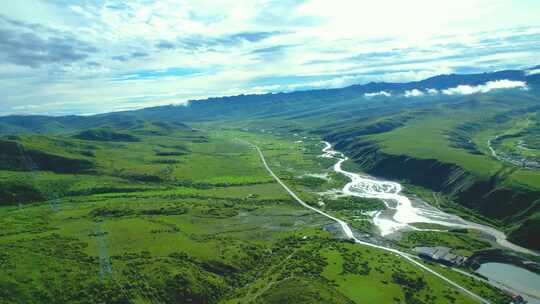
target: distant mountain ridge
<point>430,139</point>
<point>199,110</point>
<point>441,82</point>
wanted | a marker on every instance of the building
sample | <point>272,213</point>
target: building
<point>440,254</point>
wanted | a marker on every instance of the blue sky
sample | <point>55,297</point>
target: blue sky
<point>81,57</point>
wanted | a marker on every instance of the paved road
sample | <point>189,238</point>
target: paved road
<point>348,232</point>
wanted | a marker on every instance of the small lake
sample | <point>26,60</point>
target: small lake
<point>521,280</point>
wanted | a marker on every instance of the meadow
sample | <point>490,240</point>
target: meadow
<point>188,216</point>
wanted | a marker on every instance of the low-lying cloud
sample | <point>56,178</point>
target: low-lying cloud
<point>487,87</point>
<point>413,93</point>
<point>532,72</point>
<point>380,93</point>
<point>461,89</point>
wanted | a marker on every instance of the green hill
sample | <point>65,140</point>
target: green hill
<point>170,205</point>
<point>105,135</point>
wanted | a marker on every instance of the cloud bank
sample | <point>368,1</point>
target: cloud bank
<point>61,57</point>
<point>458,90</point>
<point>487,87</point>
<point>380,93</point>
<point>413,93</point>
<point>533,72</point>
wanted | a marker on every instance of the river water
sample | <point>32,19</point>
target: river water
<point>401,211</point>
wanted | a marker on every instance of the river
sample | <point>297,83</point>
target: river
<point>402,211</point>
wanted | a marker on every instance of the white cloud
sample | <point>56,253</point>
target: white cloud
<point>380,93</point>
<point>484,88</point>
<point>414,19</point>
<point>433,91</point>
<point>319,44</point>
<point>532,72</point>
<point>413,93</point>
<point>336,82</point>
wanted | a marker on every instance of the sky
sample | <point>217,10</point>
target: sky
<point>61,57</point>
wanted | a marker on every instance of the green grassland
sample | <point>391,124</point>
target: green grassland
<point>436,142</point>
<point>154,162</point>
<point>355,274</point>
<point>188,216</point>
<point>172,205</point>
<point>451,142</point>
<point>428,138</point>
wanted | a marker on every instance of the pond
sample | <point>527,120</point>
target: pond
<point>525,282</point>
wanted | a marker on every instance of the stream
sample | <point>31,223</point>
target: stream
<point>401,211</point>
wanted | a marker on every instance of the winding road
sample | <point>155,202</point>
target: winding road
<point>350,235</point>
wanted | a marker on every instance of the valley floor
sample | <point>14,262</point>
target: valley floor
<point>195,218</point>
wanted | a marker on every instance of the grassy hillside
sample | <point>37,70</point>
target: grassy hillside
<point>104,135</point>
<point>206,226</point>
<point>450,149</point>
<point>170,205</point>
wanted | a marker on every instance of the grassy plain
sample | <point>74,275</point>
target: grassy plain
<point>190,217</point>
<point>427,138</point>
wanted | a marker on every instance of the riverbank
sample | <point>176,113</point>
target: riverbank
<point>403,212</point>
<point>349,234</point>
<point>492,194</point>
